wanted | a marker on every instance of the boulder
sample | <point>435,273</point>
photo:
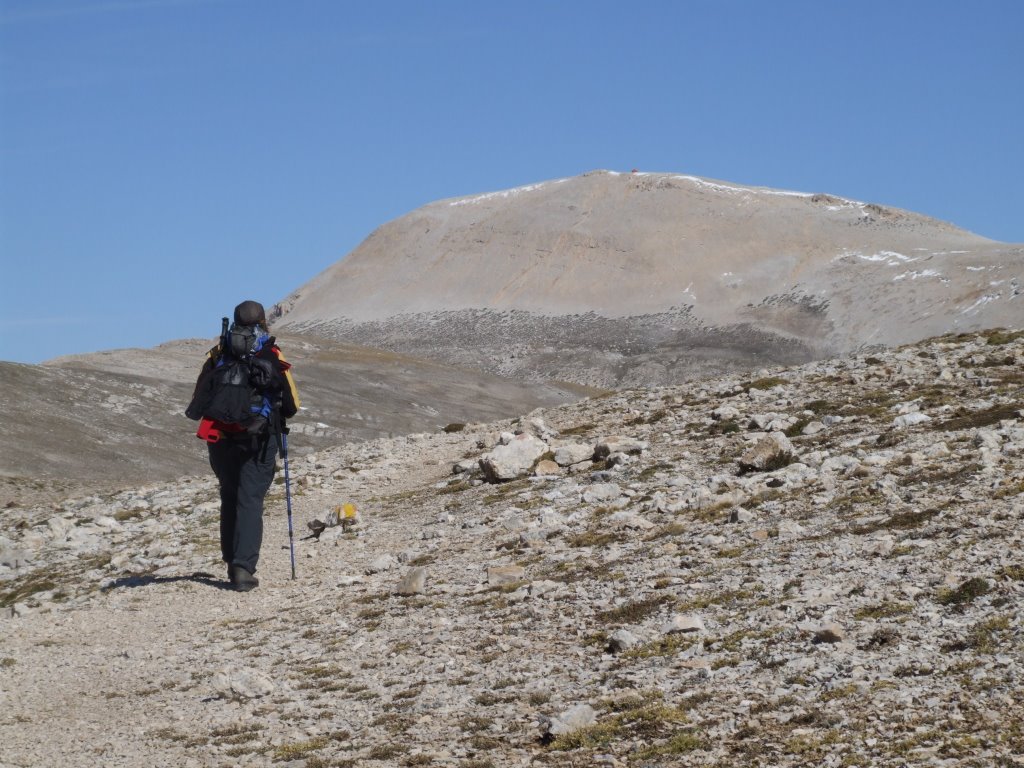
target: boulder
<point>573,453</point>
<point>513,459</point>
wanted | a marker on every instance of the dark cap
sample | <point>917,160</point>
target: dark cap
<point>250,313</point>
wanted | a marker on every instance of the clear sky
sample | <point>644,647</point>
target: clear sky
<point>161,160</point>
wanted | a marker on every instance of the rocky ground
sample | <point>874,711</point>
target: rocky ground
<point>122,411</point>
<point>588,349</point>
<point>811,566</point>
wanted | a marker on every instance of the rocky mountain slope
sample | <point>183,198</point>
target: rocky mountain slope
<point>116,418</point>
<point>817,565</point>
<point>636,279</point>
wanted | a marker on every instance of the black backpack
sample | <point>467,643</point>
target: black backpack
<point>239,386</point>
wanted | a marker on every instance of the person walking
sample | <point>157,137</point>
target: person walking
<point>243,395</point>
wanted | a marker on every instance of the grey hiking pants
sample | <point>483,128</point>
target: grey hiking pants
<point>245,472</point>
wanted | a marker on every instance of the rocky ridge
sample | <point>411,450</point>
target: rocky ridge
<point>818,565</point>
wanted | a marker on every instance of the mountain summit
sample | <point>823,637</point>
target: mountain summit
<point>642,278</point>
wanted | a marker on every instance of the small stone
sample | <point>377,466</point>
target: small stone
<point>610,445</point>
<point>740,515</point>
<point>572,719</point>
<point>534,538</point>
<point>703,664</point>
<point>880,545</point>
<point>629,520</point>
<point>14,558</point>
<point>618,459</point>
<point>505,574</point>
<point>236,682</point>
<point>545,587</point>
<point>622,640</point>
<point>910,419</point>
<point>538,428</point>
<point>332,534</point>
<point>599,492</point>
<point>381,564</point>
<point>680,623</point>
<point>986,438</point>
<point>829,633</point>
<point>790,529</point>
<point>414,582</point>
<point>466,465</point>
<point>768,451</point>
<point>547,468</point>
<point>725,413</point>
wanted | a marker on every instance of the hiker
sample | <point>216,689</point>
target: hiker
<point>242,397</point>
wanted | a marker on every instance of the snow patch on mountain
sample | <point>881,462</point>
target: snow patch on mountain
<point>504,194</point>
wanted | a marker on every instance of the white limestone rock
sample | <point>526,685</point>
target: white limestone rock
<point>242,683</point>
<point>573,453</point>
<point>571,720</point>
<point>512,459</point>
<point>601,492</point>
<point>682,624</point>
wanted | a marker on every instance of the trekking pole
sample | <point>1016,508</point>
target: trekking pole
<point>288,497</point>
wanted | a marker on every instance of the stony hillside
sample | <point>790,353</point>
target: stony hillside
<point>811,566</point>
<point>115,418</point>
<point>637,279</point>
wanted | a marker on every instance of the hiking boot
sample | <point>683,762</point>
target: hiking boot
<point>241,579</point>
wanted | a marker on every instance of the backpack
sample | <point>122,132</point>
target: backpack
<point>237,389</point>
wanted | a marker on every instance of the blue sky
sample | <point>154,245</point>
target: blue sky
<point>161,160</point>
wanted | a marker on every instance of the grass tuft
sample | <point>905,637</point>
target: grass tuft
<point>967,592</point>
<point>635,612</point>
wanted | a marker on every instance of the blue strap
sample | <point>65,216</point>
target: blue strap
<point>263,410</point>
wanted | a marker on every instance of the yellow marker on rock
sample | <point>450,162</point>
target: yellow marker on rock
<point>345,515</point>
